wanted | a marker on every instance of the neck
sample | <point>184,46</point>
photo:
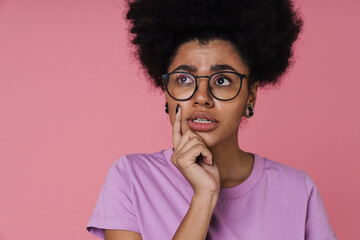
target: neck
<point>234,164</point>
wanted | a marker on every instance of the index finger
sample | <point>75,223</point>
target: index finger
<point>176,132</point>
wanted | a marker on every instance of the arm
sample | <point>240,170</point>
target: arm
<point>317,222</point>
<point>114,208</point>
<point>194,225</point>
<point>196,221</point>
<point>121,235</point>
<point>194,160</point>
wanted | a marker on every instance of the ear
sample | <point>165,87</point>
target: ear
<point>252,94</point>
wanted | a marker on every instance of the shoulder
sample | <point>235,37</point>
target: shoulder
<point>140,162</point>
<point>155,156</point>
<point>276,167</point>
<point>287,177</point>
<point>284,175</point>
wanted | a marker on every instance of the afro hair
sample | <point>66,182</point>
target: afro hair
<point>262,31</point>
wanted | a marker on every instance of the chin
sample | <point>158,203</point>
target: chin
<point>208,139</point>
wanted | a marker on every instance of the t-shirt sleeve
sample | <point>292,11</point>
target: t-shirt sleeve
<point>317,223</point>
<point>114,208</point>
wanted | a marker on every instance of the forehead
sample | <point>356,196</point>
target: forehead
<point>216,52</point>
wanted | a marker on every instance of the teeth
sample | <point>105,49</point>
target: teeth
<point>201,120</point>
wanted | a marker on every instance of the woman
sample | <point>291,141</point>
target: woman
<point>209,58</point>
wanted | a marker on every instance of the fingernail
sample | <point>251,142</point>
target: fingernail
<point>177,108</point>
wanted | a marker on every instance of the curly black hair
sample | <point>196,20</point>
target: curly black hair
<point>262,31</point>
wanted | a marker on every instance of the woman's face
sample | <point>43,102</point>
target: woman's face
<point>228,114</point>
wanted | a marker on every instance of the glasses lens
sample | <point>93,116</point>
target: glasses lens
<point>180,85</point>
<point>225,85</point>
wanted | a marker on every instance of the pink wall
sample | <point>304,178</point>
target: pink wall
<point>72,102</point>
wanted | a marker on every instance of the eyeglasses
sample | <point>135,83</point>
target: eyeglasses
<point>224,85</point>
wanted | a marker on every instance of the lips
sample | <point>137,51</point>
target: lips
<point>202,115</point>
<point>202,123</point>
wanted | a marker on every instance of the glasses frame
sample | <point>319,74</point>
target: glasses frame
<point>166,76</point>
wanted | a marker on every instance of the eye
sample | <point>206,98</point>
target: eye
<point>184,79</point>
<point>222,81</point>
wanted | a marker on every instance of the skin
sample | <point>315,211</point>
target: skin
<point>233,164</point>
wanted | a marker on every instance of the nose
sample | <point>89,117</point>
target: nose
<point>202,95</point>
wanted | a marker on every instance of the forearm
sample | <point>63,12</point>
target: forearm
<point>196,221</point>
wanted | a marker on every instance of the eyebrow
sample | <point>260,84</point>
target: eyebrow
<point>216,67</point>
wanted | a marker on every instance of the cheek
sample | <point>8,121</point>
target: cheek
<point>172,113</point>
<point>240,104</point>
<point>172,104</point>
<point>236,117</point>
<point>171,108</point>
<point>233,112</point>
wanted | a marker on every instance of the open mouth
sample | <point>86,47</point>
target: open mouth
<point>201,120</point>
<point>202,125</point>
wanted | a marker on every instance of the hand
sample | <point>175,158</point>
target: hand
<point>194,160</point>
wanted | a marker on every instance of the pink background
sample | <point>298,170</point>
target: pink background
<point>72,102</point>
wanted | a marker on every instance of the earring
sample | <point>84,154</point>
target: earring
<point>166,108</point>
<point>251,111</point>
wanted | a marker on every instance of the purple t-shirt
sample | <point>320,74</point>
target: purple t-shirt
<point>146,193</point>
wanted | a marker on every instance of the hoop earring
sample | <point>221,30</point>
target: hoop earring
<point>251,111</point>
<point>166,108</point>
